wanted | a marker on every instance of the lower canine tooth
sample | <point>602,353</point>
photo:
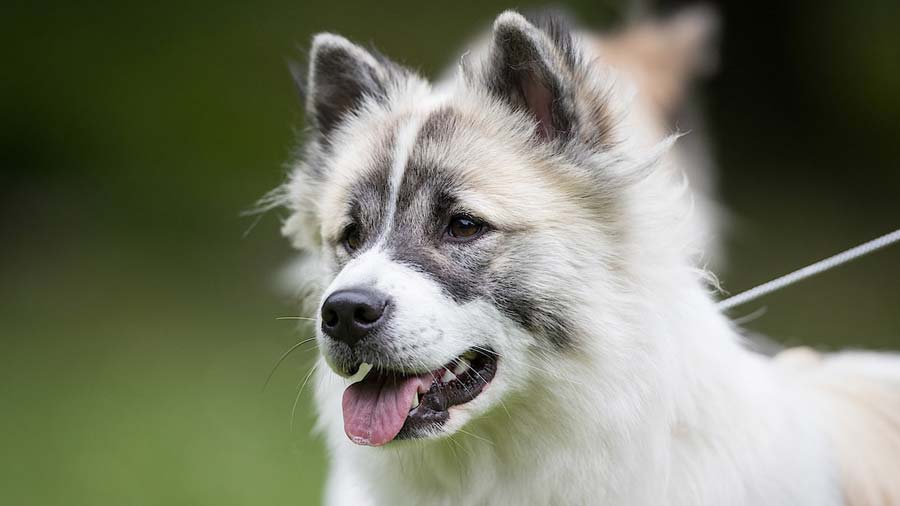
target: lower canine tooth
<point>361,373</point>
<point>448,376</point>
<point>461,367</point>
<point>415,402</point>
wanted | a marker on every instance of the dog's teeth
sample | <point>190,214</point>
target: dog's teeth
<point>415,402</point>
<point>448,376</point>
<point>461,366</point>
<point>361,373</point>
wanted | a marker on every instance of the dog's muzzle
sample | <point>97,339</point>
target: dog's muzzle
<point>349,315</point>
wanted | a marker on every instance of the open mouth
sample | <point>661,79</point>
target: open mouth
<point>387,405</point>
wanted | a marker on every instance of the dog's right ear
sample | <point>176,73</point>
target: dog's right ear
<point>527,69</point>
<point>341,77</point>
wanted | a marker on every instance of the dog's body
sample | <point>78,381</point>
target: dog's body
<point>517,260</point>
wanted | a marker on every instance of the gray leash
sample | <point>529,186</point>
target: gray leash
<point>810,270</point>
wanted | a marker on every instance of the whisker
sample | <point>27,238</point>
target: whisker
<point>252,225</point>
<point>502,404</point>
<point>532,366</point>
<point>450,444</point>
<point>455,363</point>
<point>488,441</point>
<point>300,393</point>
<point>459,445</point>
<point>311,348</point>
<point>284,356</point>
<point>459,465</point>
<point>400,462</point>
<point>306,318</point>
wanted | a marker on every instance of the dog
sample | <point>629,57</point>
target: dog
<point>502,267</point>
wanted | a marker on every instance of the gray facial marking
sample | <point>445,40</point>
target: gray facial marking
<point>543,313</point>
<point>496,267</point>
<point>426,201</point>
<point>367,197</point>
<point>440,126</point>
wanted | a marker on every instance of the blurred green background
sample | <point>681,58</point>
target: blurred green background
<point>137,321</point>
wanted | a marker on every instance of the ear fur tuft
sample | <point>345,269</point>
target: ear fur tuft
<point>341,77</point>
<point>527,70</point>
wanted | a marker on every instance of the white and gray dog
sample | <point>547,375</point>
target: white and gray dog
<point>509,305</point>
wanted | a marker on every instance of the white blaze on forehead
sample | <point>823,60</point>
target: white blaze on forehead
<point>404,144</point>
<point>379,134</point>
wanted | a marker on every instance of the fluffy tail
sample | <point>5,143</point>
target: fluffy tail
<point>860,393</point>
<point>664,58</point>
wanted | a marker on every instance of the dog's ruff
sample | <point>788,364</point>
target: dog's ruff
<point>618,381</point>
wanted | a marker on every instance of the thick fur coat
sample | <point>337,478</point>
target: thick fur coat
<point>615,379</point>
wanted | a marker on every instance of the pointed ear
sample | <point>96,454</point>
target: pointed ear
<point>341,77</point>
<point>527,67</point>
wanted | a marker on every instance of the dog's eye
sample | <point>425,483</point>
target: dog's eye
<point>351,237</point>
<point>463,228</point>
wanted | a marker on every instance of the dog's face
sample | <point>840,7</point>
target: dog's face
<point>457,227</point>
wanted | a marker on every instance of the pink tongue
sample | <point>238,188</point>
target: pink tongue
<point>376,408</point>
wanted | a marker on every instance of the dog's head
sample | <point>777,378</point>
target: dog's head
<point>461,231</point>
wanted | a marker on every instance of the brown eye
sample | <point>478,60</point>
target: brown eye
<point>352,239</point>
<point>463,227</point>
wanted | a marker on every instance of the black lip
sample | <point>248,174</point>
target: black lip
<point>434,405</point>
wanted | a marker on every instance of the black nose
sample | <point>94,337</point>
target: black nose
<point>349,315</point>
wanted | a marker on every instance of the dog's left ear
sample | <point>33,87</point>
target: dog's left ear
<point>530,68</point>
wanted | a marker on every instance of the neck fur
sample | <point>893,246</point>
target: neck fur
<point>655,400</point>
<point>637,424</point>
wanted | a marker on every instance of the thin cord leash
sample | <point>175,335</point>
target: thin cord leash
<point>810,270</point>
